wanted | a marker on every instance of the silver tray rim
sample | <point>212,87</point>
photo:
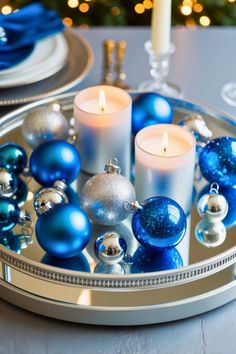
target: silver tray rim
<point>105,281</point>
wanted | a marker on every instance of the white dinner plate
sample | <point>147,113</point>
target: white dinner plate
<point>48,57</point>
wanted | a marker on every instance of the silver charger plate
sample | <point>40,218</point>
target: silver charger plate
<point>206,281</point>
<point>79,62</point>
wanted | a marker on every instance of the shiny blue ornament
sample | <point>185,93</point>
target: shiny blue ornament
<point>9,214</point>
<point>150,109</point>
<point>73,197</point>
<point>11,241</point>
<point>147,260</point>
<point>159,223</point>
<point>217,161</point>
<point>55,160</point>
<point>21,193</point>
<point>64,231</point>
<point>13,158</point>
<point>78,263</point>
<point>230,195</point>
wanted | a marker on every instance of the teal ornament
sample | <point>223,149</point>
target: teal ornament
<point>147,260</point>
<point>9,214</point>
<point>11,241</point>
<point>55,160</point>
<point>217,161</point>
<point>149,109</point>
<point>159,222</point>
<point>64,231</point>
<point>13,158</point>
<point>78,263</point>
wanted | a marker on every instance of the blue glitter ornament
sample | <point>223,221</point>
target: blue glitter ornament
<point>9,214</point>
<point>147,260</point>
<point>230,195</point>
<point>159,222</point>
<point>217,161</point>
<point>78,263</point>
<point>64,231</point>
<point>13,158</point>
<point>55,160</point>
<point>150,109</point>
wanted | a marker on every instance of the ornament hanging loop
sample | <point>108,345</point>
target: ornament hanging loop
<point>214,188</point>
<point>132,207</point>
<point>112,166</point>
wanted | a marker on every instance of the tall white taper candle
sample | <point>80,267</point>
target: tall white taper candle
<point>161,26</point>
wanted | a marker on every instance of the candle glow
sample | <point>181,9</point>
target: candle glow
<point>165,141</point>
<point>102,100</point>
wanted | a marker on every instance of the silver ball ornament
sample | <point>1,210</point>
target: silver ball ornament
<point>110,248</point>
<point>104,195</point>
<point>210,234</point>
<point>213,207</point>
<point>44,123</point>
<point>8,183</point>
<point>47,198</point>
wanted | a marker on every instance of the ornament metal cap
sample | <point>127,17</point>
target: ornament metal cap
<point>112,166</point>
<point>61,185</point>
<point>197,124</point>
<point>132,207</point>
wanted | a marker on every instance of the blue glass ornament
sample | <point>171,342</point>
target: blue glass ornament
<point>160,223</point>
<point>147,260</point>
<point>13,157</point>
<point>64,231</point>
<point>150,109</point>
<point>73,197</point>
<point>9,214</point>
<point>55,160</point>
<point>11,241</point>
<point>217,161</point>
<point>230,195</point>
<point>78,263</point>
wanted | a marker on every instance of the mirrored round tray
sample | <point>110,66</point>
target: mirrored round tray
<point>85,290</point>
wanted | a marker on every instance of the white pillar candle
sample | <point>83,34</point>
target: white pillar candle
<point>164,163</point>
<point>103,126</point>
<point>161,26</point>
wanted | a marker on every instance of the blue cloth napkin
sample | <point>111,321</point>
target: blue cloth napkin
<point>23,29</point>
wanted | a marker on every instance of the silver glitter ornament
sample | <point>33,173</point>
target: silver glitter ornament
<point>47,198</point>
<point>213,206</point>
<point>210,234</point>
<point>197,125</point>
<point>104,195</point>
<point>44,123</point>
<point>8,183</point>
<point>110,248</point>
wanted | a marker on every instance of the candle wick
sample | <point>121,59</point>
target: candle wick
<point>164,149</point>
<point>102,109</point>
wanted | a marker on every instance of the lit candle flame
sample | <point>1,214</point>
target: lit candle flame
<point>102,100</point>
<point>165,141</point>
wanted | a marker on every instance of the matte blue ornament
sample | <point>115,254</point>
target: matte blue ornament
<point>13,157</point>
<point>64,231</point>
<point>147,260</point>
<point>150,109</point>
<point>160,223</point>
<point>78,263</point>
<point>11,241</point>
<point>217,161</point>
<point>230,195</point>
<point>55,160</point>
<point>9,214</point>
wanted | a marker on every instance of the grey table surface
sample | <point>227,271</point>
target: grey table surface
<point>203,62</point>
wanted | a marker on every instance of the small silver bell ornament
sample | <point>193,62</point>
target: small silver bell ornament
<point>104,195</point>
<point>47,198</point>
<point>197,125</point>
<point>213,208</point>
<point>8,183</point>
<point>43,124</point>
<point>110,248</point>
